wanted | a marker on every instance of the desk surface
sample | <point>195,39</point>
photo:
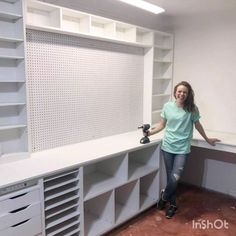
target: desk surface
<point>49,161</point>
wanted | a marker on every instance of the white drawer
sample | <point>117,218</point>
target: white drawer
<point>30,227</point>
<point>19,215</point>
<point>18,200</point>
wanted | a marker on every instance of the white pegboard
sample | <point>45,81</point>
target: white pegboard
<point>81,89</point>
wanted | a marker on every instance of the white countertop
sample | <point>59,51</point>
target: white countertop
<point>46,162</point>
<point>49,161</point>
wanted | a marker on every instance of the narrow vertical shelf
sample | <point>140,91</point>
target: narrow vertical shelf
<point>99,214</point>
<point>126,201</point>
<point>162,73</point>
<point>149,186</point>
<point>13,111</point>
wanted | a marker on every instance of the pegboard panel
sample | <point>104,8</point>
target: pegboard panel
<point>81,89</point>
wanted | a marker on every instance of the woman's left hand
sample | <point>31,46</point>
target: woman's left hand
<point>212,141</point>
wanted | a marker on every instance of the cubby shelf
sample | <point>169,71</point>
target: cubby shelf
<point>132,188</point>
<point>52,18</point>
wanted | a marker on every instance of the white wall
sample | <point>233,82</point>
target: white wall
<point>205,49</point>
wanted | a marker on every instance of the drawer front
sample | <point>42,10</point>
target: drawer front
<point>31,227</point>
<point>19,215</point>
<point>19,200</point>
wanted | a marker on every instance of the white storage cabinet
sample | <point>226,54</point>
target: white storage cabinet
<point>20,210</point>
<point>118,188</point>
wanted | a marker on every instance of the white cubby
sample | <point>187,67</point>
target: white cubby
<point>11,8</point>
<point>163,40</point>
<point>74,21</point>
<point>102,27</point>
<point>144,36</point>
<point>11,28</point>
<point>12,70</point>
<point>149,186</point>
<point>11,49</point>
<point>104,175</point>
<point>159,100</point>
<point>161,86</point>
<point>45,15</point>
<point>125,32</point>
<point>163,55</point>
<point>12,93</point>
<point>142,162</point>
<point>99,214</point>
<point>126,201</point>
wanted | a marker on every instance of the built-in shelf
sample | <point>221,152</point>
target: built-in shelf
<point>13,121</point>
<point>7,127</point>
<point>11,40</point>
<point>47,17</point>
<point>9,16</point>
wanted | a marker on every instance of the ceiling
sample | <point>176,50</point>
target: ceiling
<point>177,8</point>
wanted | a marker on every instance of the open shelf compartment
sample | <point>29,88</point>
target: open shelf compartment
<point>126,201</point>
<point>99,214</point>
<point>149,190</point>
<point>142,162</point>
<point>104,175</point>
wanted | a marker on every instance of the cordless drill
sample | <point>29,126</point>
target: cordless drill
<point>145,129</point>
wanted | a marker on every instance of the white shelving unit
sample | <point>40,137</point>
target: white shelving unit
<point>162,73</point>
<point>118,188</point>
<point>52,18</point>
<point>13,115</point>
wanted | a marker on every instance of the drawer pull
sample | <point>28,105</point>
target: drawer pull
<point>20,223</point>
<point>20,195</point>
<point>19,209</point>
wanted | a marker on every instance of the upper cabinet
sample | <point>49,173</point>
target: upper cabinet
<point>53,18</point>
<point>13,117</point>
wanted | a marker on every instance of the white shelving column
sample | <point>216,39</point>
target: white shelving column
<point>13,118</point>
<point>162,73</point>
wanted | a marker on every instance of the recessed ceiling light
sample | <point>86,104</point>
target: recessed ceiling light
<point>144,5</point>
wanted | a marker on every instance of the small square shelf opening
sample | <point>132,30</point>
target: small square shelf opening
<point>104,175</point>
<point>99,214</point>
<point>144,36</point>
<point>125,32</point>
<point>102,27</point>
<point>161,86</point>
<point>142,162</point>
<point>75,21</point>
<point>149,190</point>
<point>126,201</point>
<point>43,15</point>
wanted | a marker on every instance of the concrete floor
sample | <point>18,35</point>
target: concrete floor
<point>200,212</point>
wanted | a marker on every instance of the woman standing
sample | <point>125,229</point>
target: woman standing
<point>178,118</point>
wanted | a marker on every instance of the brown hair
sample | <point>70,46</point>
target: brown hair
<point>189,104</point>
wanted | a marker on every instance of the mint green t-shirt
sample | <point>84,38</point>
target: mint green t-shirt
<point>179,128</point>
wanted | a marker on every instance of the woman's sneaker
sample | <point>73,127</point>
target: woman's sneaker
<point>161,203</point>
<point>171,211</point>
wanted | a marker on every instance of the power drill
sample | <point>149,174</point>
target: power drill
<point>145,128</point>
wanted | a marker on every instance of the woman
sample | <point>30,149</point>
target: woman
<point>178,118</point>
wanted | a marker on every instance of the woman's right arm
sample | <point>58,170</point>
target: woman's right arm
<point>159,127</point>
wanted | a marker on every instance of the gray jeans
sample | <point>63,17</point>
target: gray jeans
<point>174,164</point>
